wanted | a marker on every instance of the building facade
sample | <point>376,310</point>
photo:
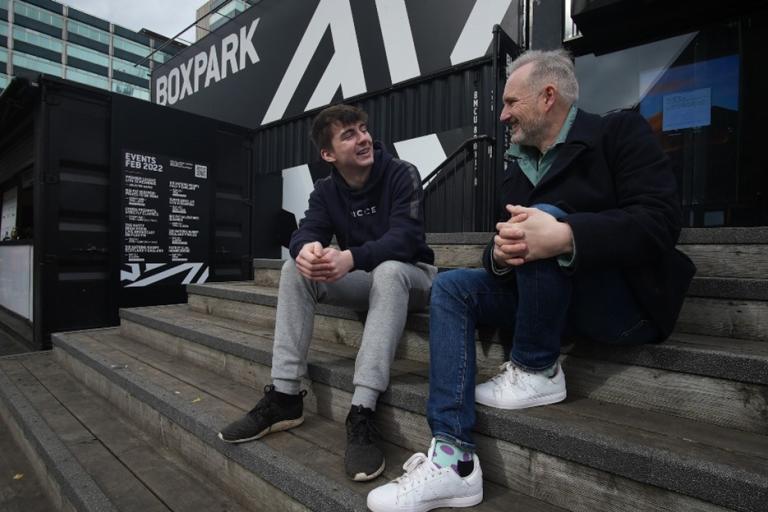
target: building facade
<point>221,11</point>
<point>43,36</point>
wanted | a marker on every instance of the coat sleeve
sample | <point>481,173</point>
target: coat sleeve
<point>406,225</point>
<point>646,221</point>
<point>316,226</point>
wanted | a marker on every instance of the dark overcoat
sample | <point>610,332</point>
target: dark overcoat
<point>614,181</point>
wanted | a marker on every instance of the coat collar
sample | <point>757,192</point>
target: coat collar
<point>584,134</point>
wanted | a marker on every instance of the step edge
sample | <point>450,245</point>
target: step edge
<point>751,369</point>
<point>77,486</point>
<point>515,427</point>
<point>288,476</point>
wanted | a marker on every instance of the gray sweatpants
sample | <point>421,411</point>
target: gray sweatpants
<point>388,293</point>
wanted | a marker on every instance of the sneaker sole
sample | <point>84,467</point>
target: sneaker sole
<point>362,477</point>
<point>533,402</point>
<point>465,501</point>
<point>275,427</point>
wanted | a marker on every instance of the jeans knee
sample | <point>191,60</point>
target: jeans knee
<point>451,284</point>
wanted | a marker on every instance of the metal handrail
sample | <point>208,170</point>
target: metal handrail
<point>462,147</point>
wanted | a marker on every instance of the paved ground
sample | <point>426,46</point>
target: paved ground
<point>20,490</point>
<point>9,346</point>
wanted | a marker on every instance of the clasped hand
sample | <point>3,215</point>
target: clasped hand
<point>530,234</point>
<point>324,265</point>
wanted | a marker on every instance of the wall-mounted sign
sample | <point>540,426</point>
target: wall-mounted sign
<point>281,58</point>
<point>165,214</point>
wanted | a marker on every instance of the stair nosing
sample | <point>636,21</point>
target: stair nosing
<point>539,434</point>
<point>76,485</point>
<point>722,365</point>
<point>287,475</point>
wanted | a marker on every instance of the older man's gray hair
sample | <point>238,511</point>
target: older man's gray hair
<point>555,67</point>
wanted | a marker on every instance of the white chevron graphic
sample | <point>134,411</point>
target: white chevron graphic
<point>191,268</point>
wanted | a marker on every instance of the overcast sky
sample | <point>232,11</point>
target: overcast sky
<point>166,17</point>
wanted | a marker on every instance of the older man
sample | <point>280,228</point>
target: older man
<point>585,246</point>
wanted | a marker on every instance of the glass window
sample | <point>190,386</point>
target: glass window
<point>4,4</point>
<point>130,90</point>
<point>35,13</point>
<point>81,29</point>
<point>131,46</point>
<point>3,28</point>
<point>78,75</point>
<point>226,13</point>
<point>130,68</point>
<point>35,63</point>
<point>88,55</point>
<point>36,39</point>
<point>3,80</point>
<point>3,55</point>
<point>162,57</point>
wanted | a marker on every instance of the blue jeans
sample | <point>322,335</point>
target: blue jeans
<point>539,304</point>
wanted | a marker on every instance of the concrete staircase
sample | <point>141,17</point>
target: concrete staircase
<point>126,418</point>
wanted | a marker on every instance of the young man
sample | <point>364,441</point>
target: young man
<point>372,203</point>
<point>593,255</point>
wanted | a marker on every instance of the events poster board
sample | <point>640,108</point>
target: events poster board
<point>165,220</point>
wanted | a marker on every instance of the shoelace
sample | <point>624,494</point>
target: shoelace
<point>509,372</point>
<point>416,469</point>
<point>363,430</point>
<point>266,406</point>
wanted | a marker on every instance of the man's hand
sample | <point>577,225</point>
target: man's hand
<point>509,246</point>
<point>310,262</point>
<point>545,237</point>
<point>339,263</point>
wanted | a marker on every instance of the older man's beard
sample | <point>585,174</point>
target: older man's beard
<point>529,132</point>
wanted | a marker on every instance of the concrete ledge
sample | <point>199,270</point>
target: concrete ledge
<point>726,358</point>
<point>75,486</point>
<point>608,446</point>
<point>275,264</point>
<point>308,488</point>
<point>729,288</point>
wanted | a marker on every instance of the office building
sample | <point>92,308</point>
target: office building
<point>43,36</point>
<point>221,12</point>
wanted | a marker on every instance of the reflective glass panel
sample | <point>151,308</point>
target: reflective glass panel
<point>3,28</point>
<point>87,55</point>
<point>3,55</point>
<point>161,57</point>
<point>130,68</point>
<point>131,46</point>
<point>35,13</point>
<point>4,4</point>
<point>130,90</point>
<point>3,80</point>
<point>35,63</point>
<point>37,39</point>
<point>81,29</point>
<point>78,75</point>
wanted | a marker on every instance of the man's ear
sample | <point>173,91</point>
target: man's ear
<point>327,155</point>
<point>550,96</point>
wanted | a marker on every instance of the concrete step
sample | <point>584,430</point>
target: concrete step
<point>91,456</point>
<point>712,380</point>
<point>185,405</point>
<point>717,252</point>
<point>582,454</point>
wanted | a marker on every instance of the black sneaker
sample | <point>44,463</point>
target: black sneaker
<point>363,459</point>
<point>275,412</point>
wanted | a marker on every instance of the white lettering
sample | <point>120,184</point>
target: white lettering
<point>229,54</point>
<point>161,90</point>
<point>201,64</point>
<point>213,68</point>
<point>246,45</point>
<point>186,86</point>
<point>174,86</point>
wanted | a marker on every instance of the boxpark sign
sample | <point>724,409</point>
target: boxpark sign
<point>281,58</point>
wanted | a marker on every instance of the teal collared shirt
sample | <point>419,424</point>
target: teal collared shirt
<point>534,164</point>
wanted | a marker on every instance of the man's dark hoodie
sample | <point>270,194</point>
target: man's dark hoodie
<point>382,221</point>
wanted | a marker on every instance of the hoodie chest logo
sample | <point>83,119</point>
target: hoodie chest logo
<point>362,212</point>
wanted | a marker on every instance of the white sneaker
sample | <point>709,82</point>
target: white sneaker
<point>425,486</point>
<point>515,388</point>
